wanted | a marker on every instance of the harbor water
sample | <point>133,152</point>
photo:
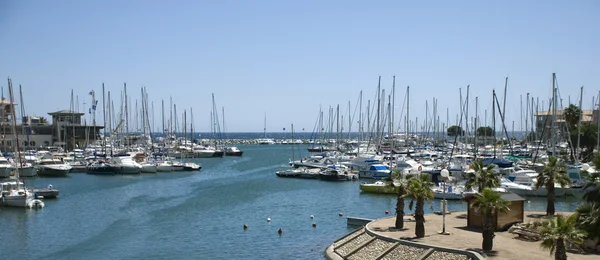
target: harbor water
<point>198,215</point>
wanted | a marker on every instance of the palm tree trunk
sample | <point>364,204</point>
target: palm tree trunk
<point>561,251</point>
<point>550,206</point>
<point>420,218</point>
<point>488,232</point>
<point>400,209</point>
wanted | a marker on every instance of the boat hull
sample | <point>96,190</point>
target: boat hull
<point>49,172</point>
<point>379,189</point>
<point>16,201</point>
<point>101,170</point>
<point>164,168</point>
<point>6,172</point>
<point>28,172</point>
<point>46,193</point>
<point>128,169</point>
<point>240,153</point>
<point>149,168</point>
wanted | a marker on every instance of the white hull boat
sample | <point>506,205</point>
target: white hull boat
<point>164,167</point>
<point>149,168</point>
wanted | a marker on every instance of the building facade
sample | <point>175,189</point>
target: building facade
<point>69,133</point>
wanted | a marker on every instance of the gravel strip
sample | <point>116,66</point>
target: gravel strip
<point>403,252</point>
<point>447,256</point>
<point>348,247</point>
<point>371,250</point>
<point>349,237</point>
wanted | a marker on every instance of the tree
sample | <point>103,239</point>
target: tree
<point>592,184</point>
<point>485,131</point>
<point>482,177</point>
<point>588,219</point>
<point>558,230</point>
<point>43,120</point>
<point>571,115</point>
<point>588,138</point>
<point>488,203</point>
<point>419,188</point>
<point>455,130</point>
<point>553,173</point>
<point>397,180</point>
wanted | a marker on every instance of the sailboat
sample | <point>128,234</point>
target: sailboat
<point>265,140</point>
<point>14,193</point>
<point>230,150</point>
<point>26,169</point>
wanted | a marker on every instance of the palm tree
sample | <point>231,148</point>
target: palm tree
<point>396,179</point>
<point>419,188</point>
<point>592,185</point>
<point>488,203</point>
<point>482,177</point>
<point>43,120</point>
<point>558,230</point>
<point>553,173</point>
<point>571,115</point>
<point>588,218</point>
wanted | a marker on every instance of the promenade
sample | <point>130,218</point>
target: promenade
<point>506,245</point>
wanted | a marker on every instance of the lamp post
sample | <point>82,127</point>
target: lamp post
<point>445,174</point>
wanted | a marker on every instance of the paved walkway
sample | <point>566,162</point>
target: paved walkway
<point>506,245</point>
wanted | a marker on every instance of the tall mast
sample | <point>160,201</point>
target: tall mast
<point>579,124</point>
<point>554,102</point>
<point>126,116</point>
<point>103,121</point>
<point>14,122</point>
<point>407,112</point>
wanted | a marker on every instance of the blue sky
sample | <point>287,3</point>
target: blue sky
<point>288,58</point>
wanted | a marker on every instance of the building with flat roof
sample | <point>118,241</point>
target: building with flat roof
<point>543,123</point>
<point>69,133</point>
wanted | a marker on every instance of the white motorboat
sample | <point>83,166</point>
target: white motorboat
<point>233,151</point>
<point>149,167</point>
<point>164,166</point>
<point>53,168</point>
<point>6,169</point>
<point>14,194</point>
<point>190,166</point>
<point>177,166</point>
<point>27,170</point>
<point>203,152</point>
<point>126,165</point>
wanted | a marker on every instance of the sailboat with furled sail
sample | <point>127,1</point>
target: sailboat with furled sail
<point>15,193</point>
<point>25,169</point>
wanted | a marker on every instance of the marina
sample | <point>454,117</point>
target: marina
<point>148,215</point>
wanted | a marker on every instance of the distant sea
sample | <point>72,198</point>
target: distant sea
<point>314,136</point>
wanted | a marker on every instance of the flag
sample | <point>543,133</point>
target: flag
<point>93,107</point>
<point>90,111</point>
<point>284,129</point>
<point>92,92</point>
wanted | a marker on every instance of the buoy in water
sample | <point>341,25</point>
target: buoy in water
<point>268,219</point>
<point>311,216</point>
<point>387,212</point>
<point>245,226</point>
<point>279,231</point>
<point>341,214</point>
<point>314,224</point>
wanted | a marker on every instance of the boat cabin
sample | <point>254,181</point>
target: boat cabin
<point>516,213</point>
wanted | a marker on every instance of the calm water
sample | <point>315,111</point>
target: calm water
<point>195,215</point>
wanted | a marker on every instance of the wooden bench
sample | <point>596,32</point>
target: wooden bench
<point>526,234</point>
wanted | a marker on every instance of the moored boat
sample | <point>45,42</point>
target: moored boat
<point>233,151</point>
<point>379,187</point>
<point>53,168</point>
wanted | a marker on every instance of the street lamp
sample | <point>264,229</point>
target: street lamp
<point>445,174</point>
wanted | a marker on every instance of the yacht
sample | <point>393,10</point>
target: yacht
<point>233,151</point>
<point>202,152</point>
<point>190,166</point>
<point>14,194</point>
<point>101,168</point>
<point>149,167</point>
<point>124,164</point>
<point>380,187</point>
<point>53,168</point>
<point>27,170</point>
<point>164,166</point>
<point>6,169</point>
